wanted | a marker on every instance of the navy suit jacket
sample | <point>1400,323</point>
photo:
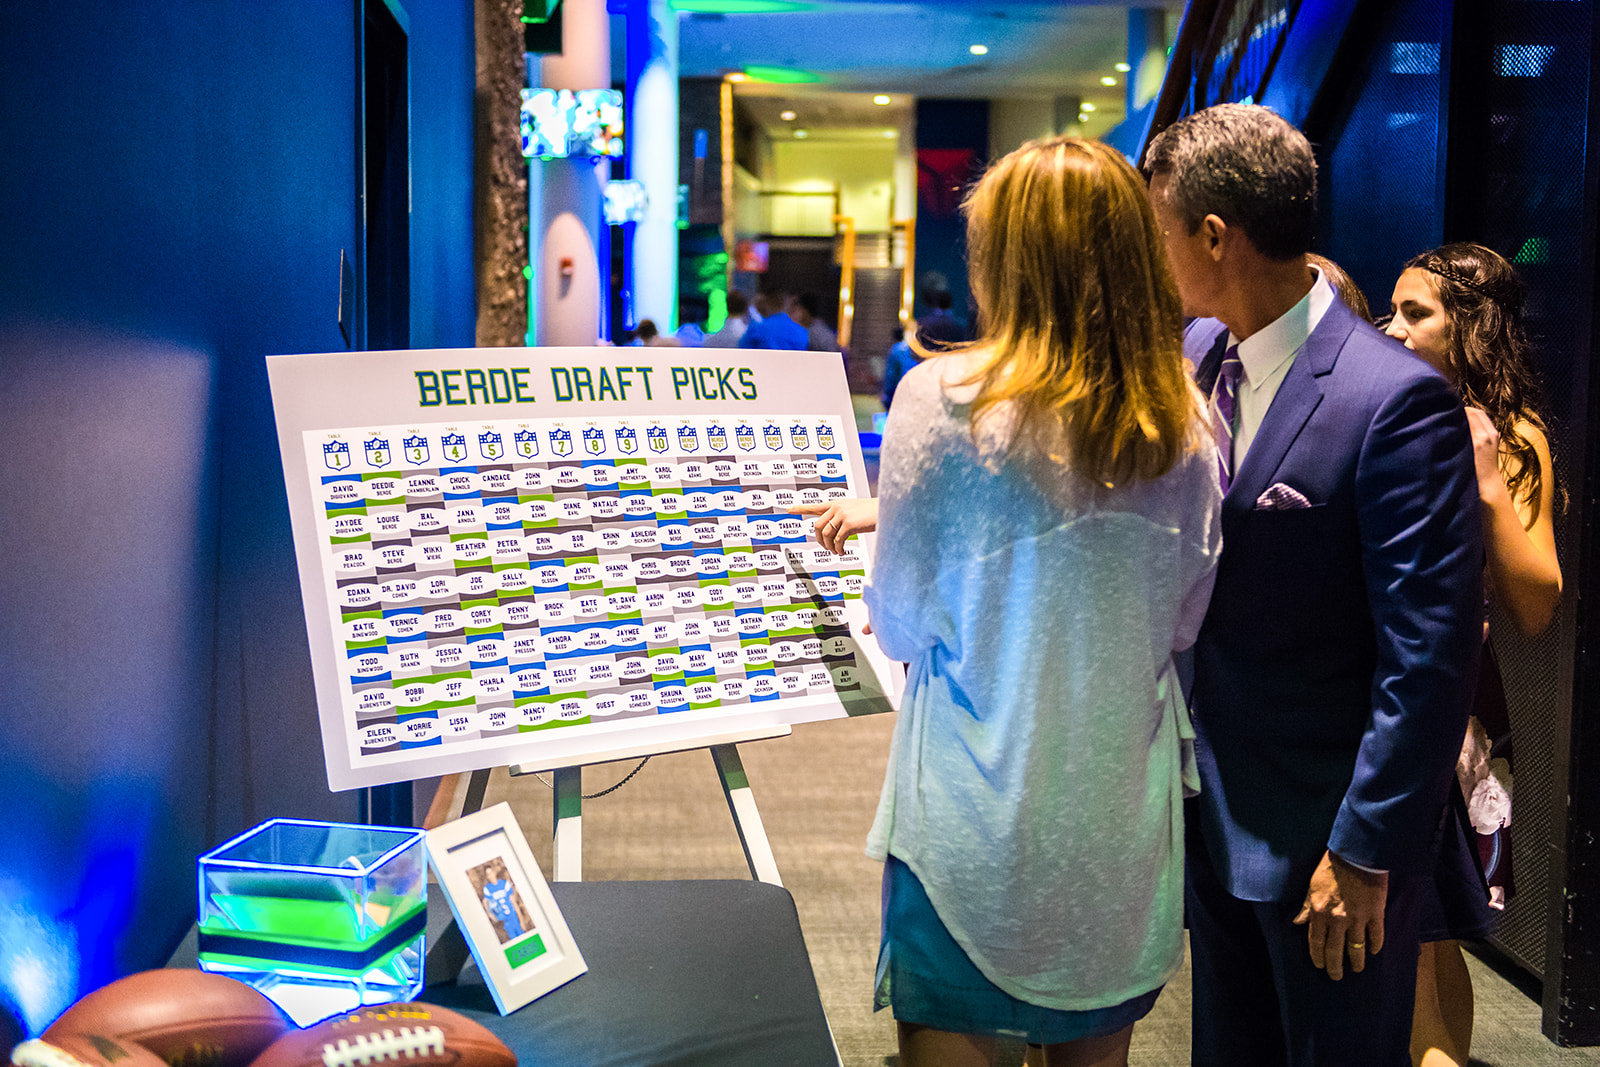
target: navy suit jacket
<point>1334,672</point>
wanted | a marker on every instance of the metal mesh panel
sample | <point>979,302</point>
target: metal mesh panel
<point>1530,208</point>
<point>1380,173</point>
<point>1239,53</point>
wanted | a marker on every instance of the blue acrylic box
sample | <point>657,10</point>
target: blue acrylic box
<point>320,917</point>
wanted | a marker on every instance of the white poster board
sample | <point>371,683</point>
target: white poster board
<point>565,555</point>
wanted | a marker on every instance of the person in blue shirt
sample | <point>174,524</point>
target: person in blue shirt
<point>500,899</point>
<point>941,328</point>
<point>901,359</point>
<point>776,329</point>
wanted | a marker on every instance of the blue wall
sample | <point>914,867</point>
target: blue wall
<point>177,180</point>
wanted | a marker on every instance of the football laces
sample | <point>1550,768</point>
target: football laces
<point>405,1043</point>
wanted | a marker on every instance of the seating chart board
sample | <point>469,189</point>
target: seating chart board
<point>560,556</point>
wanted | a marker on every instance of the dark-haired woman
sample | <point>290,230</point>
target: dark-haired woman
<point>1459,307</point>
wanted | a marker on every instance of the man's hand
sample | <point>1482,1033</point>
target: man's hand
<point>839,519</point>
<point>1344,907</point>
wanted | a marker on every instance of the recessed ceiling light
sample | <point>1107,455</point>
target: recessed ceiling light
<point>802,133</point>
<point>1123,68</point>
<point>979,49</point>
<point>786,116</point>
<point>891,133</point>
<point>880,99</point>
<point>1108,80</point>
<point>1082,119</point>
<point>1086,106</point>
<point>737,76</point>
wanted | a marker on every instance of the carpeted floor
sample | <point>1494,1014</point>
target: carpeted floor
<point>817,790</point>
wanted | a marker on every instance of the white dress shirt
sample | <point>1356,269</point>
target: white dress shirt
<point>1267,356</point>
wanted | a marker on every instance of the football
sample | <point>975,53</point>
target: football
<point>188,1018</point>
<point>399,1035</point>
<point>69,1049</point>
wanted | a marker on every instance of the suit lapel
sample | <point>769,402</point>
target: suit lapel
<point>1297,398</point>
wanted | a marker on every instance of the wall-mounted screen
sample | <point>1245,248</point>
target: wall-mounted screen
<point>560,122</point>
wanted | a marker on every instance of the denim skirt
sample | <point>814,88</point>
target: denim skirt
<point>928,979</point>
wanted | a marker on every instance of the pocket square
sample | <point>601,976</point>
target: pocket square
<point>1280,497</point>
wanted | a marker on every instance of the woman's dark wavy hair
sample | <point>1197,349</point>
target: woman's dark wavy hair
<point>1490,358</point>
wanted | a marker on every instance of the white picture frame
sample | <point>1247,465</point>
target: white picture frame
<point>504,907</point>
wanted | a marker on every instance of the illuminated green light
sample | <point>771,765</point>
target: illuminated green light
<point>289,921</point>
<point>739,7</point>
<point>1533,250</point>
<point>782,75</point>
<point>538,12</point>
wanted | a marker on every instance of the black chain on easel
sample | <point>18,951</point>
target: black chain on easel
<point>603,792</point>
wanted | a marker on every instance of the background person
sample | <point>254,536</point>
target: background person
<point>1343,284</point>
<point>734,326</point>
<point>820,336</point>
<point>650,336</point>
<point>1332,674</point>
<point>776,329</point>
<point>1459,308</point>
<point>1048,535</point>
<point>900,359</point>
<point>940,328</point>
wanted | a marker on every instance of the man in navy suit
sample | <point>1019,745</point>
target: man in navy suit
<point>1333,674</point>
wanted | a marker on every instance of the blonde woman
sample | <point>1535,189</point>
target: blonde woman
<point>1048,535</point>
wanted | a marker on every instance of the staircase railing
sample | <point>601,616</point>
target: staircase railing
<point>845,227</point>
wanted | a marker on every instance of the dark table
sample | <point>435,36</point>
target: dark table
<point>686,974</point>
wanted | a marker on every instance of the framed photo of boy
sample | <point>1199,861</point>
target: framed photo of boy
<point>504,907</point>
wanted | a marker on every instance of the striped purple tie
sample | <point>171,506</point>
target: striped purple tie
<point>1222,412</point>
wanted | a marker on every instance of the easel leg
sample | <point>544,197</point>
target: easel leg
<point>448,954</point>
<point>477,785</point>
<point>568,802</point>
<point>746,819</point>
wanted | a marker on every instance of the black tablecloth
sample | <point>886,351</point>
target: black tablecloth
<point>687,974</point>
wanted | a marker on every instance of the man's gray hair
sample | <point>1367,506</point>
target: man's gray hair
<point>1246,165</point>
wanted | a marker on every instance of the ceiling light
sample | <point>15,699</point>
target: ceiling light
<point>979,49</point>
<point>1123,68</point>
<point>1082,119</point>
<point>1108,80</point>
<point>737,76</point>
<point>739,7</point>
<point>781,75</point>
<point>1086,106</point>
<point>891,133</point>
<point>880,99</point>
<point>802,133</point>
<point>786,116</point>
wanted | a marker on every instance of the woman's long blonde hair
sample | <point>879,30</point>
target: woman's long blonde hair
<point>1079,320</point>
